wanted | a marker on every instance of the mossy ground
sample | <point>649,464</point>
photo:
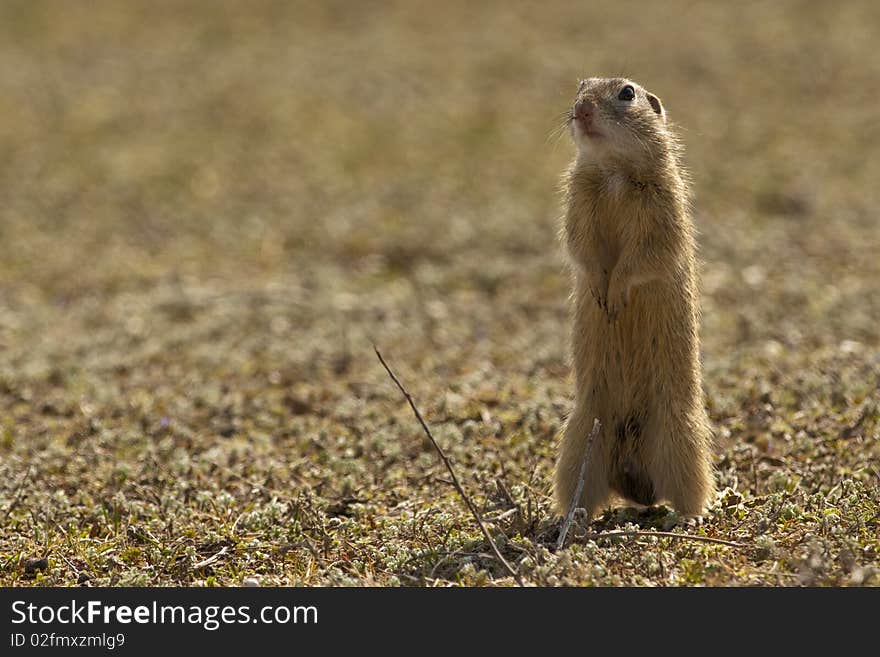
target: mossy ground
<point>211,211</point>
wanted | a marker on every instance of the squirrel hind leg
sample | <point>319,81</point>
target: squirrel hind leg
<point>594,496</point>
<point>686,478</point>
<point>572,450</point>
<point>693,498</point>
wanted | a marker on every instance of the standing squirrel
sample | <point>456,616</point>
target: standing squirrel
<point>630,240</point>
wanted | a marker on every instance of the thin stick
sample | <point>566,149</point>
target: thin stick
<point>569,517</point>
<point>18,493</point>
<point>690,537</point>
<point>467,500</point>
<point>209,560</point>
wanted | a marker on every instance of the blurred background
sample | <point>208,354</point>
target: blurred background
<point>210,210</point>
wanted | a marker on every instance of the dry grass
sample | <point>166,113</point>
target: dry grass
<point>211,209</point>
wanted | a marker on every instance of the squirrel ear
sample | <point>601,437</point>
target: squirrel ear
<point>655,103</point>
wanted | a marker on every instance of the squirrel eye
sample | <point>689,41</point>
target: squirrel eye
<point>627,93</point>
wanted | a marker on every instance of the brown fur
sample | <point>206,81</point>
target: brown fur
<point>630,240</point>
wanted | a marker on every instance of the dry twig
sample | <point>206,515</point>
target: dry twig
<point>18,493</point>
<point>209,560</point>
<point>634,534</point>
<point>569,517</point>
<point>448,464</point>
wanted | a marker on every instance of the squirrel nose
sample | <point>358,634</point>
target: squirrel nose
<point>583,109</point>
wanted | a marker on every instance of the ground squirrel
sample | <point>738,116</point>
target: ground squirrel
<point>630,240</point>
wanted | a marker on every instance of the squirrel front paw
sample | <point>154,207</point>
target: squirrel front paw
<point>600,297</point>
<point>618,297</point>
